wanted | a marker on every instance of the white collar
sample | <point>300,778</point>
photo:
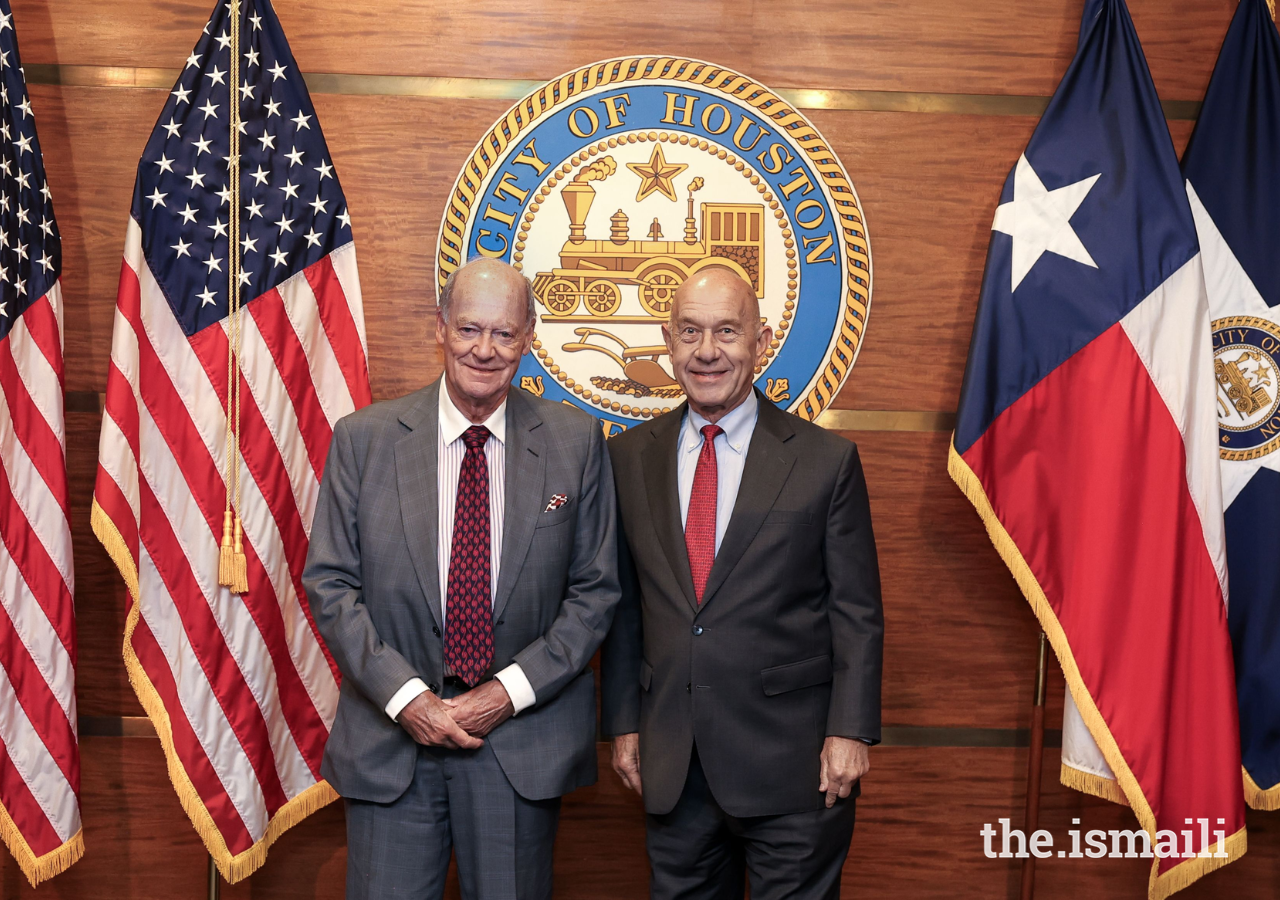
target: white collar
<point>738,425</point>
<point>453,422</point>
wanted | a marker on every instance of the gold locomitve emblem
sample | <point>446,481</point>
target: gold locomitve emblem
<point>613,184</point>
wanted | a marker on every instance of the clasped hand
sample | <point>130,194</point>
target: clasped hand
<point>458,723</point>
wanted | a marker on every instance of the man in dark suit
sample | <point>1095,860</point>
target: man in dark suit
<point>741,678</point>
<point>462,572</point>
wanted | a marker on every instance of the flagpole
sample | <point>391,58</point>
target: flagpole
<point>231,562</point>
<point>1035,762</point>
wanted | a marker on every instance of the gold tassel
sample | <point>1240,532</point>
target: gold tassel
<point>226,558</point>
<point>239,566</point>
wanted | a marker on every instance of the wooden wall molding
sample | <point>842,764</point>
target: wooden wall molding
<point>893,735</point>
<point>446,88</point>
<point>886,420</point>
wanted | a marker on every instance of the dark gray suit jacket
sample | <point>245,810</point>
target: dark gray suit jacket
<point>373,583</point>
<point>786,646</point>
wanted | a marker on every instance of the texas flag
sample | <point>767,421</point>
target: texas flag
<point>1087,440</point>
<point>1232,167</point>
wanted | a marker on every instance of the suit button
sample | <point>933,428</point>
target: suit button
<point>688,688</point>
<point>697,629</point>
<point>435,631</point>
<point>433,688</point>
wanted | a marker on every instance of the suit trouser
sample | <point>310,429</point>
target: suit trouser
<point>458,800</point>
<point>697,851</point>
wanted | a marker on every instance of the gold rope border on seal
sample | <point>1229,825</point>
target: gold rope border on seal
<point>743,89</point>
<point>1185,872</point>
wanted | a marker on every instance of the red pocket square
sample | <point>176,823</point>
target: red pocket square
<point>557,501</point>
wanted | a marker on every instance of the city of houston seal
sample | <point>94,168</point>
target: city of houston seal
<point>612,184</point>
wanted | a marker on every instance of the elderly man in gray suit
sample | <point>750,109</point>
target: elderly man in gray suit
<point>462,572</point>
<point>742,676</point>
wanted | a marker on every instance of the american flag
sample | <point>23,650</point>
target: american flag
<point>240,687</point>
<point>39,751</point>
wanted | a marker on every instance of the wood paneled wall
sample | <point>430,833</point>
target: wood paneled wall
<point>961,642</point>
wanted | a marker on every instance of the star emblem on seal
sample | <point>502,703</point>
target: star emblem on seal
<point>657,175</point>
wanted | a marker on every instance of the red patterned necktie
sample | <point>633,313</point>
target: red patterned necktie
<point>468,632</point>
<point>700,522</point>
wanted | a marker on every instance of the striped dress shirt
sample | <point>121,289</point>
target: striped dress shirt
<point>450,449</point>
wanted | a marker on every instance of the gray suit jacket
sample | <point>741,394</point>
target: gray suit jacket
<point>785,648</point>
<point>373,583</point>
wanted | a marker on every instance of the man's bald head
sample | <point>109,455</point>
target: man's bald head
<point>715,340</point>
<point>723,281</point>
<point>489,276</point>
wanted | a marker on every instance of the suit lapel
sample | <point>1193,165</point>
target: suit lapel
<point>526,475</point>
<point>662,487</point>
<point>416,482</point>
<point>769,462</point>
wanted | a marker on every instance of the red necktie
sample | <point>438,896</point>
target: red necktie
<point>700,522</point>
<point>468,632</point>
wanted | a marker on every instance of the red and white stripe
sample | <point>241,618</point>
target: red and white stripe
<point>39,750</point>
<point>1105,476</point>
<point>245,683</point>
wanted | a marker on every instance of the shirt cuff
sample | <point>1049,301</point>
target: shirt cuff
<point>518,687</point>
<point>401,698</point>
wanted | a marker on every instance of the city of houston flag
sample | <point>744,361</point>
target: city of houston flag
<point>1232,166</point>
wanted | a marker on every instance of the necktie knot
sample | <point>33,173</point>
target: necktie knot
<point>711,432</point>
<point>475,436</point>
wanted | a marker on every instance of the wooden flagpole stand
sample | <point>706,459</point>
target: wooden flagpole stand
<point>214,881</point>
<point>1035,760</point>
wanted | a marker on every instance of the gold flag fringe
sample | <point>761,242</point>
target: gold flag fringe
<point>236,867</point>
<point>1261,798</point>
<point>1186,872</point>
<point>109,536</point>
<point>39,868</point>
<point>1094,785</point>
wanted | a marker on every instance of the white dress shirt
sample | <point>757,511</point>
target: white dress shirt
<point>450,450</point>
<point>731,456</point>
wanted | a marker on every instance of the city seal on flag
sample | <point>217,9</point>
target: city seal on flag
<point>612,184</point>
<point>1244,366</point>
